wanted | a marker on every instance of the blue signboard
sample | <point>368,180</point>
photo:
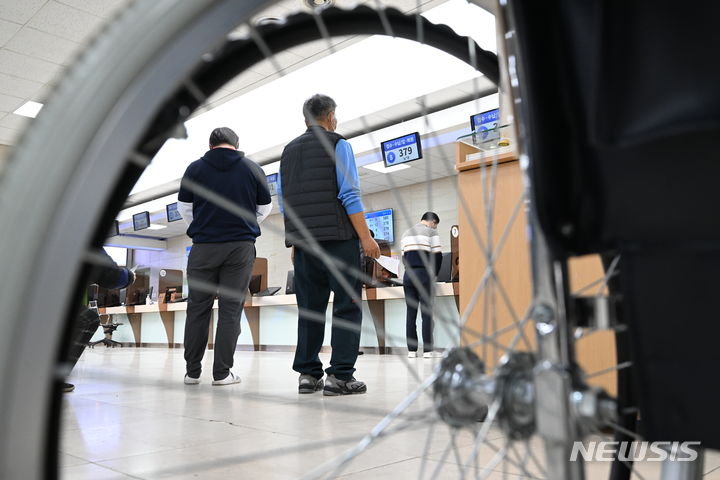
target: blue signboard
<point>272,183</point>
<point>486,124</point>
<point>381,224</point>
<point>402,149</point>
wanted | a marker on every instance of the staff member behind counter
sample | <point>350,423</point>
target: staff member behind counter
<point>319,190</point>
<point>422,256</point>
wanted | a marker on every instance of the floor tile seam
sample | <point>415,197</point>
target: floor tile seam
<point>135,477</point>
<point>84,460</point>
<point>365,470</point>
<point>498,468</point>
<point>99,461</point>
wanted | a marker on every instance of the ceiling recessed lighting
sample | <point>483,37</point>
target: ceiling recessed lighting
<point>156,227</point>
<point>29,109</point>
<point>380,167</point>
<point>318,3</point>
<point>268,20</point>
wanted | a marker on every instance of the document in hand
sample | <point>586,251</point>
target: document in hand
<point>389,263</point>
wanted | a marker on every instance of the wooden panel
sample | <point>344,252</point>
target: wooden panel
<point>594,352</point>
<point>253,317</point>
<point>512,262</point>
<point>260,267</point>
<point>168,320</point>
<point>377,312</point>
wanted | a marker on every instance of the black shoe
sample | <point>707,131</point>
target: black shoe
<point>68,387</point>
<point>309,384</point>
<point>334,386</point>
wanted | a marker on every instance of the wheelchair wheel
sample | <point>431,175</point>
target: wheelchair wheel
<point>69,176</point>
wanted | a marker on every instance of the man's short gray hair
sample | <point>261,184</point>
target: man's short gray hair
<point>317,107</point>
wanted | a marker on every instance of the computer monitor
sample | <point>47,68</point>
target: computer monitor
<point>401,150</point>
<point>485,125</point>
<point>172,213</point>
<point>114,229</point>
<point>272,181</point>
<point>445,274</point>
<point>382,225</point>
<point>141,221</point>
<point>290,284</point>
<point>255,284</point>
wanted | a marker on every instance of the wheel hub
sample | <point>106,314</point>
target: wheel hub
<point>463,391</point>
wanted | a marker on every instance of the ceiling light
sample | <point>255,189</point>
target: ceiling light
<point>318,3</point>
<point>380,167</point>
<point>267,21</point>
<point>156,227</point>
<point>29,109</point>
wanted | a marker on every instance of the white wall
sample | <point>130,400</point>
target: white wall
<point>271,244</point>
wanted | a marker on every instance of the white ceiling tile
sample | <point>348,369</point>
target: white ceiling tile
<point>9,103</point>
<point>19,11</point>
<point>248,77</point>
<point>8,136</point>
<point>7,30</point>
<point>18,87</point>
<point>22,66</point>
<point>284,59</point>
<point>101,8</point>
<point>43,94</point>
<point>66,22</point>
<point>43,45</point>
<point>15,122</point>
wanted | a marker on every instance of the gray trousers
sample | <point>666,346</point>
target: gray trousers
<point>225,269</point>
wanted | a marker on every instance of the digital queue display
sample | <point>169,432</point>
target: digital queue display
<point>272,181</point>
<point>114,229</point>
<point>381,224</point>
<point>485,125</point>
<point>172,212</point>
<point>402,149</point>
<point>141,221</point>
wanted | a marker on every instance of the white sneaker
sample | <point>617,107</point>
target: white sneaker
<point>229,380</point>
<point>412,354</point>
<point>191,381</point>
<point>432,354</point>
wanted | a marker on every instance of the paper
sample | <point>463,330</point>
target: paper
<point>389,263</point>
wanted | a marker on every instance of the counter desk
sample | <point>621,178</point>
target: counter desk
<point>270,323</point>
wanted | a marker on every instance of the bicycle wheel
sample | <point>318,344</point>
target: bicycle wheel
<point>112,113</point>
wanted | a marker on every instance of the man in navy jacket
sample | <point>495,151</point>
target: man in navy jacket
<point>223,198</point>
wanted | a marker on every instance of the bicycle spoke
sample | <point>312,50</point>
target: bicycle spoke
<point>426,450</point>
<point>614,368</point>
<point>376,432</point>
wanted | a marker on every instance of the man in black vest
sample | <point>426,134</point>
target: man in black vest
<point>320,196</point>
<point>223,252</point>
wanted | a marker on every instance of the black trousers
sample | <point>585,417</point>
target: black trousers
<point>313,284</point>
<point>224,268</point>
<point>419,289</point>
<point>86,324</point>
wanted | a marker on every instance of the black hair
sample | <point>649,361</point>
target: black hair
<point>224,135</point>
<point>430,217</point>
<point>317,107</point>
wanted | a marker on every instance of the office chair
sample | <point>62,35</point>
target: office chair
<point>108,328</point>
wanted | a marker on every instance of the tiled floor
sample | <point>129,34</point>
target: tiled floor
<point>131,417</point>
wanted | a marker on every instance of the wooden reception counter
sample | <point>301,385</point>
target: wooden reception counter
<point>259,309</point>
